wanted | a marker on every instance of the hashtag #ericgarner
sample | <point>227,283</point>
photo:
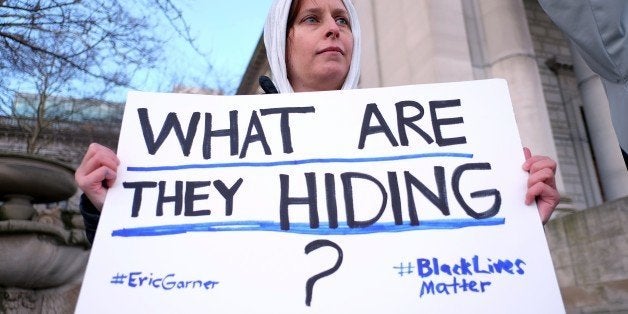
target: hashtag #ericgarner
<point>118,279</point>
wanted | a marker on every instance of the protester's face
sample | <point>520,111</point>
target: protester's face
<point>319,46</point>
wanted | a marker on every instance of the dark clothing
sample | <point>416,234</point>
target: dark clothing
<point>91,216</point>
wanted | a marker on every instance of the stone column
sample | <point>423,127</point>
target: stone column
<point>370,67</point>
<point>413,42</point>
<point>508,53</point>
<point>609,161</point>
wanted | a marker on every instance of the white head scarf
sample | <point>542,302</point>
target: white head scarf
<point>275,41</point>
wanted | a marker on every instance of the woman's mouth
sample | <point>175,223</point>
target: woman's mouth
<point>332,49</point>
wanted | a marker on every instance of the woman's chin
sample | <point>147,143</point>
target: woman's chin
<point>325,78</point>
<point>333,76</point>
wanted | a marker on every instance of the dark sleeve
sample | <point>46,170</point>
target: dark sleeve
<point>91,216</point>
<point>267,85</point>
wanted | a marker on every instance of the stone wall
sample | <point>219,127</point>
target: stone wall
<point>56,300</point>
<point>64,141</point>
<point>590,254</point>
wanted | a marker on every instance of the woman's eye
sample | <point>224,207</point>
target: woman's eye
<point>310,19</point>
<point>342,21</point>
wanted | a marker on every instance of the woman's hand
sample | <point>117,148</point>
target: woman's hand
<point>97,173</point>
<point>541,183</point>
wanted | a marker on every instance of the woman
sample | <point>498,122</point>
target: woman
<point>312,45</point>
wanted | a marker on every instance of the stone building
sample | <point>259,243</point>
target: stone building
<point>69,125</point>
<point>559,103</point>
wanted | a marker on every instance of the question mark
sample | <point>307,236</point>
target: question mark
<point>314,245</point>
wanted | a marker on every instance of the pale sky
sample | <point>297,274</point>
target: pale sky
<point>228,30</point>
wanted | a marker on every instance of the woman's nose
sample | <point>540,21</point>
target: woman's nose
<point>333,30</point>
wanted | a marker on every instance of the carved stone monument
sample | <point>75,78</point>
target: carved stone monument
<point>44,249</point>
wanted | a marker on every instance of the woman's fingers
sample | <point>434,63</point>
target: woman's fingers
<point>96,173</point>
<point>544,175</point>
<point>541,183</point>
<point>547,198</point>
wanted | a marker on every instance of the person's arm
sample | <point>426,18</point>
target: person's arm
<point>541,184</point>
<point>94,176</point>
<point>91,216</point>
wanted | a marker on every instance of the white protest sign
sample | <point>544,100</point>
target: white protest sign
<point>393,200</point>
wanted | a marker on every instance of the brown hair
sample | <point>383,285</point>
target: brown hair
<point>295,6</point>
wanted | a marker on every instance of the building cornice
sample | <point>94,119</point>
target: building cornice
<point>257,66</point>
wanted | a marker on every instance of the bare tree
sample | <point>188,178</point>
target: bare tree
<point>36,112</point>
<point>103,39</point>
<point>76,48</point>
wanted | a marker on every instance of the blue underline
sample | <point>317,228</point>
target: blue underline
<point>298,162</point>
<point>303,228</point>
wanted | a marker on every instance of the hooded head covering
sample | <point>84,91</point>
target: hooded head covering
<point>275,32</point>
